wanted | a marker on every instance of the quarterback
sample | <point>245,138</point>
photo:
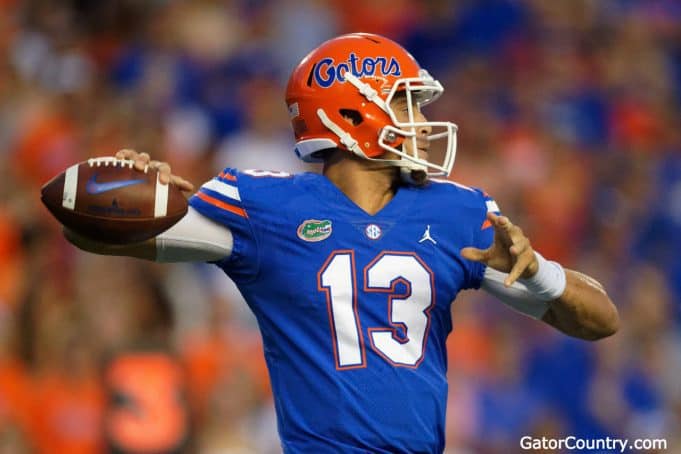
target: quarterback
<point>351,273</point>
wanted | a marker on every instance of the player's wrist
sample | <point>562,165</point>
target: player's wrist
<point>531,269</point>
<point>548,281</point>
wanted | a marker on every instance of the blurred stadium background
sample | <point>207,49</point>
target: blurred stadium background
<point>569,114</point>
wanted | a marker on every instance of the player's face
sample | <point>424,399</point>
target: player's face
<point>400,107</point>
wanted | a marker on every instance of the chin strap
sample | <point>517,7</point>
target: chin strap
<point>416,177</point>
<point>344,136</point>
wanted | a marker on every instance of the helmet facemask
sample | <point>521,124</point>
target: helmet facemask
<point>432,152</point>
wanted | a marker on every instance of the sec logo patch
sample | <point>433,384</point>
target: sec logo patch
<point>373,232</point>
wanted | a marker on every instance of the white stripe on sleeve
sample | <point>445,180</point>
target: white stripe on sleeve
<point>492,206</point>
<point>223,188</point>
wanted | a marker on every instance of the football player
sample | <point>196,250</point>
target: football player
<point>351,273</point>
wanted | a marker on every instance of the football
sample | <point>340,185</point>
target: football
<point>108,200</point>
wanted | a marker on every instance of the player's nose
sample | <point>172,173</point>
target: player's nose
<point>423,130</point>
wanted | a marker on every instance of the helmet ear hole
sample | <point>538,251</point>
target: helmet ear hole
<point>353,115</point>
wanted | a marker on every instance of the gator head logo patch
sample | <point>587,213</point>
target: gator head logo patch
<point>313,230</point>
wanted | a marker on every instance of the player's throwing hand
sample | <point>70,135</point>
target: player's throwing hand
<point>511,251</point>
<point>143,160</point>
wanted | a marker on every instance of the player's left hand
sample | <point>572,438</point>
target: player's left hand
<point>510,253</point>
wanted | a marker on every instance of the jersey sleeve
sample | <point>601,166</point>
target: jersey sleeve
<point>483,236</point>
<point>220,199</point>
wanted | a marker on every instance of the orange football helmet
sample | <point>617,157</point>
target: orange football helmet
<point>357,76</point>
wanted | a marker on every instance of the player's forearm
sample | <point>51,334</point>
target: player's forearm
<point>584,310</point>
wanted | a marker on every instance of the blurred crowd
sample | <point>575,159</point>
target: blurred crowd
<point>569,114</point>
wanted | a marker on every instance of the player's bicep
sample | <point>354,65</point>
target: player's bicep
<point>195,238</point>
<point>222,200</point>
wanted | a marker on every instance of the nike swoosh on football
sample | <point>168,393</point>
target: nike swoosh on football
<point>93,187</point>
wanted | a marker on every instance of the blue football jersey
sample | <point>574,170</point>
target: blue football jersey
<point>354,309</point>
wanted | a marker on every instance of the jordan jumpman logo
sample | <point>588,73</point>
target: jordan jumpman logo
<point>426,236</point>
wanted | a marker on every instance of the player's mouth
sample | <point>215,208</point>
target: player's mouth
<point>422,152</point>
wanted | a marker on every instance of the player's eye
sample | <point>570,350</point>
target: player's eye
<point>403,107</point>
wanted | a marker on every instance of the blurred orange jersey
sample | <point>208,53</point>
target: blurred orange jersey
<point>147,411</point>
<point>67,415</point>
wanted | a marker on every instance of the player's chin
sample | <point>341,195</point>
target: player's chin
<point>419,177</point>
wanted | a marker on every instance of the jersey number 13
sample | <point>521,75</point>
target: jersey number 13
<point>407,311</point>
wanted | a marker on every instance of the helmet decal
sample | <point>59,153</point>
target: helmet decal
<point>326,72</point>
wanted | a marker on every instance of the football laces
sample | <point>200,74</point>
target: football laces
<point>111,161</point>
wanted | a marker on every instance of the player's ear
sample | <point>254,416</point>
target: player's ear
<point>351,116</point>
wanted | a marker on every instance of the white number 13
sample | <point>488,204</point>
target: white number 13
<point>409,311</point>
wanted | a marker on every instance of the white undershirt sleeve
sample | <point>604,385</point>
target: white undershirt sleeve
<point>518,297</point>
<point>195,238</point>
